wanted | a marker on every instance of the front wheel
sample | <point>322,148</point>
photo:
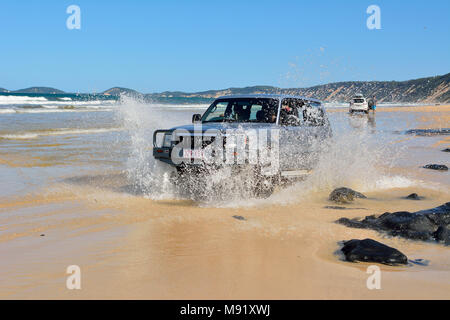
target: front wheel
<point>264,185</point>
<point>264,188</point>
<point>192,183</point>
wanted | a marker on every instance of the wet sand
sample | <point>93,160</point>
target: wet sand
<point>130,246</point>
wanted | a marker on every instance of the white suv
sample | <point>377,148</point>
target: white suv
<point>359,103</point>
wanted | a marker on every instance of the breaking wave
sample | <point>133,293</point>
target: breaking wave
<point>7,110</point>
<point>56,132</point>
<point>25,100</point>
<point>51,109</point>
<point>27,105</point>
<point>21,99</point>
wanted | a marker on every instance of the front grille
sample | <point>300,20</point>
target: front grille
<point>199,141</point>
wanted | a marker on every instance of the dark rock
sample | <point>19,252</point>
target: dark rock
<point>440,216</point>
<point>42,235</point>
<point>439,167</point>
<point>413,196</point>
<point>443,234</point>
<point>420,225</point>
<point>369,250</point>
<point>446,150</point>
<point>352,223</point>
<point>239,218</point>
<point>345,195</point>
<point>406,221</point>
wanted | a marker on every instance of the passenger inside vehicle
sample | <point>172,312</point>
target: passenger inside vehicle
<point>260,116</point>
<point>266,115</point>
<point>289,113</point>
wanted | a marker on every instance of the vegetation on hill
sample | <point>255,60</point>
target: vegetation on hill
<point>117,91</point>
<point>42,90</point>
<point>424,90</point>
<point>432,89</point>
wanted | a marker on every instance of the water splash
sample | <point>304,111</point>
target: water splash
<point>358,160</point>
<point>140,119</point>
<point>354,158</point>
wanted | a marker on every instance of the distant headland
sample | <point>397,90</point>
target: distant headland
<point>432,89</point>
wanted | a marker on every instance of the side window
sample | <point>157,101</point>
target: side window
<point>289,115</point>
<point>218,112</point>
<point>313,116</point>
<point>264,111</point>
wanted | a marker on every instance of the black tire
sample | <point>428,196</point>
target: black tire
<point>264,185</point>
<point>191,183</point>
<point>264,188</point>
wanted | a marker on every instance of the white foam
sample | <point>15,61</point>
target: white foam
<point>39,101</point>
<point>22,136</point>
<point>37,134</point>
<point>20,99</point>
<point>49,109</point>
<point>7,111</point>
<point>390,182</point>
<point>79,103</point>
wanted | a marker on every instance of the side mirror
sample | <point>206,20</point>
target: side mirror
<point>196,117</point>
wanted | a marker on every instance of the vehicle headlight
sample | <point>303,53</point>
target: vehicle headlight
<point>167,142</point>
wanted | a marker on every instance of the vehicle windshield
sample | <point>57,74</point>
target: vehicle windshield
<point>242,110</point>
<point>358,100</point>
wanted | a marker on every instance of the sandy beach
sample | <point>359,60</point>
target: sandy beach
<point>93,199</point>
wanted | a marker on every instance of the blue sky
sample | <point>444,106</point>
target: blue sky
<point>155,46</point>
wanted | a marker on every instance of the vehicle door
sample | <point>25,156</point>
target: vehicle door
<point>295,141</point>
<point>317,129</point>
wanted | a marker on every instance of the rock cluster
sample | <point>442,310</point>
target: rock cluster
<point>430,224</point>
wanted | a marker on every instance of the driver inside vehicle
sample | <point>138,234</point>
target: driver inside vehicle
<point>240,113</point>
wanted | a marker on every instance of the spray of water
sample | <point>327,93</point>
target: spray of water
<point>353,158</point>
<point>148,177</point>
<point>358,160</point>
